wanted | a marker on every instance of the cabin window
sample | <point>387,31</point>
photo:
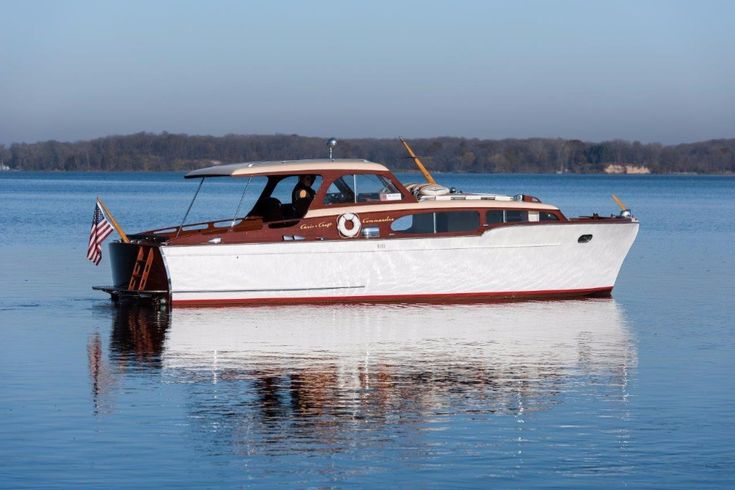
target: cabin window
<point>515,216</point>
<point>495,217</point>
<point>511,216</point>
<point>358,188</point>
<point>545,216</point>
<point>443,222</point>
<point>455,221</point>
<point>414,223</point>
<point>284,189</point>
<point>372,188</point>
<point>341,190</point>
<point>276,201</point>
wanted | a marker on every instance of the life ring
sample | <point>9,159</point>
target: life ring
<point>428,190</point>
<point>433,190</point>
<point>354,225</point>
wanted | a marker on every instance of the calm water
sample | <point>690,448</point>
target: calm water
<point>636,391</point>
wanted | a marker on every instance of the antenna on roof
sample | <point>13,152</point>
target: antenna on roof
<point>331,143</point>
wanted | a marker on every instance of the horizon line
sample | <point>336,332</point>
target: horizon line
<point>415,138</point>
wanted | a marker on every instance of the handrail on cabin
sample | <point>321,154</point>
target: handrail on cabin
<point>210,225</point>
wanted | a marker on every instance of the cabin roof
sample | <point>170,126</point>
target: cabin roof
<point>465,205</point>
<point>285,166</point>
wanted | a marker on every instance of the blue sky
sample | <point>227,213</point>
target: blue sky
<point>648,71</point>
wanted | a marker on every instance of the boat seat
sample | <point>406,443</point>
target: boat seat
<point>269,208</point>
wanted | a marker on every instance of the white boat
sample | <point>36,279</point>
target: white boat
<point>350,231</point>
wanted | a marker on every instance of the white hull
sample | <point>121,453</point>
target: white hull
<point>513,261</point>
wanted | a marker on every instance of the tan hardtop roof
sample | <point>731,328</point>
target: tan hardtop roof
<point>285,166</point>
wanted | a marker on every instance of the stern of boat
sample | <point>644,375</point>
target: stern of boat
<point>138,273</point>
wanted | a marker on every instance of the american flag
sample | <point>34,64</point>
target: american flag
<point>101,229</point>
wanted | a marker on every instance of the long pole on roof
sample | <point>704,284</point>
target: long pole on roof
<point>417,161</point>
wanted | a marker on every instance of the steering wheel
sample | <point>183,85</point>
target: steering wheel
<point>336,198</point>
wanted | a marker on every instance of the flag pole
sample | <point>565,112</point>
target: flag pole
<point>113,221</point>
<point>417,161</point>
<point>620,203</point>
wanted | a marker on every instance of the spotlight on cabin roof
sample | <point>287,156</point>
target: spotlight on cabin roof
<point>331,143</point>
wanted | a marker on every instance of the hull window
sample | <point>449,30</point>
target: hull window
<point>515,216</point>
<point>495,217</point>
<point>457,221</point>
<point>446,222</point>
<point>414,223</point>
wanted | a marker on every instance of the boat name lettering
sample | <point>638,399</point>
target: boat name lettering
<point>323,224</point>
<point>387,219</point>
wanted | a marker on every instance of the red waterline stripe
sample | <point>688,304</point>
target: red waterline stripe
<point>415,298</point>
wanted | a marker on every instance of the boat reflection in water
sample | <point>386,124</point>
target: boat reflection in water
<point>331,373</point>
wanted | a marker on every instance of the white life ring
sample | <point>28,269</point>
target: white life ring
<point>429,190</point>
<point>354,227</point>
<point>433,190</point>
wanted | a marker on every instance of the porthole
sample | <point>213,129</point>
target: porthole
<point>584,239</point>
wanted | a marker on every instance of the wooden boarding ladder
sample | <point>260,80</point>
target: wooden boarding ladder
<point>141,270</point>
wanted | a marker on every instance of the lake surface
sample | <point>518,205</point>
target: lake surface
<point>635,391</point>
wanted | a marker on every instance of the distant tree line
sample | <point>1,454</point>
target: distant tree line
<point>165,151</point>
